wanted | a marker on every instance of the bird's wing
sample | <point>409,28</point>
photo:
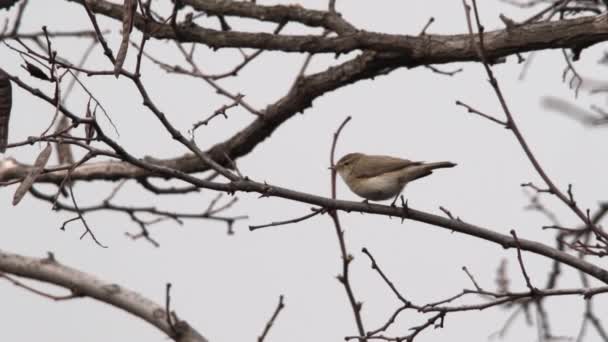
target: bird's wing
<point>372,166</point>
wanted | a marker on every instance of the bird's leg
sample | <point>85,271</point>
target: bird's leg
<point>365,201</point>
<point>395,200</point>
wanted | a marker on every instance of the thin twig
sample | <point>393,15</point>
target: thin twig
<point>314,213</point>
<point>272,319</point>
<point>521,264</point>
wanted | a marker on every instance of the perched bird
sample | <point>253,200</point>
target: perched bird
<point>379,178</point>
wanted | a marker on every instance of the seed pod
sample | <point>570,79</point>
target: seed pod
<point>6,102</point>
<point>36,170</point>
<point>127,25</point>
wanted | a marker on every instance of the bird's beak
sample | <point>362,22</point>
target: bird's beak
<point>331,168</point>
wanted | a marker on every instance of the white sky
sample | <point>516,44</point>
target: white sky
<point>228,286</point>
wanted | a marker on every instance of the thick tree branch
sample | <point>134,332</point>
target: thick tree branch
<point>50,271</point>
<point>413,50</point>
<point>365,66</point>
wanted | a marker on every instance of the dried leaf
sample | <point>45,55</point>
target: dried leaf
<point>89,129</point>
<point>36,71</point>
<point>6,4</point>
<point>130,7</point>
<point>502,278</point>
<point>5,108</point>
<point>64,151</point>
<point>36,170</point>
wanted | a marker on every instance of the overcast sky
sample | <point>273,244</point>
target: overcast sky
<point>228,286</point>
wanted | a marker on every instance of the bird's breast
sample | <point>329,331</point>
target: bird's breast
<point>378,188</point>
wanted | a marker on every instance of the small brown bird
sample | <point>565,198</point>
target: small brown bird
<point>379,178</point>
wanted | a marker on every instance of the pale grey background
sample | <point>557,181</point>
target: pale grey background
<point>227,286</point>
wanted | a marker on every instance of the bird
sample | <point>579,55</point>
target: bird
<point>379,177</point>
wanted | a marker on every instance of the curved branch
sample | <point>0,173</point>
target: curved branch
<point>48,270</point>
<point>576,34</point>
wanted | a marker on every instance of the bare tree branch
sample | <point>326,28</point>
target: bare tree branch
<point>51,271</point>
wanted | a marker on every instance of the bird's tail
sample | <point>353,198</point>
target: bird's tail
<point>438,165</point>
<point>427,168</point>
